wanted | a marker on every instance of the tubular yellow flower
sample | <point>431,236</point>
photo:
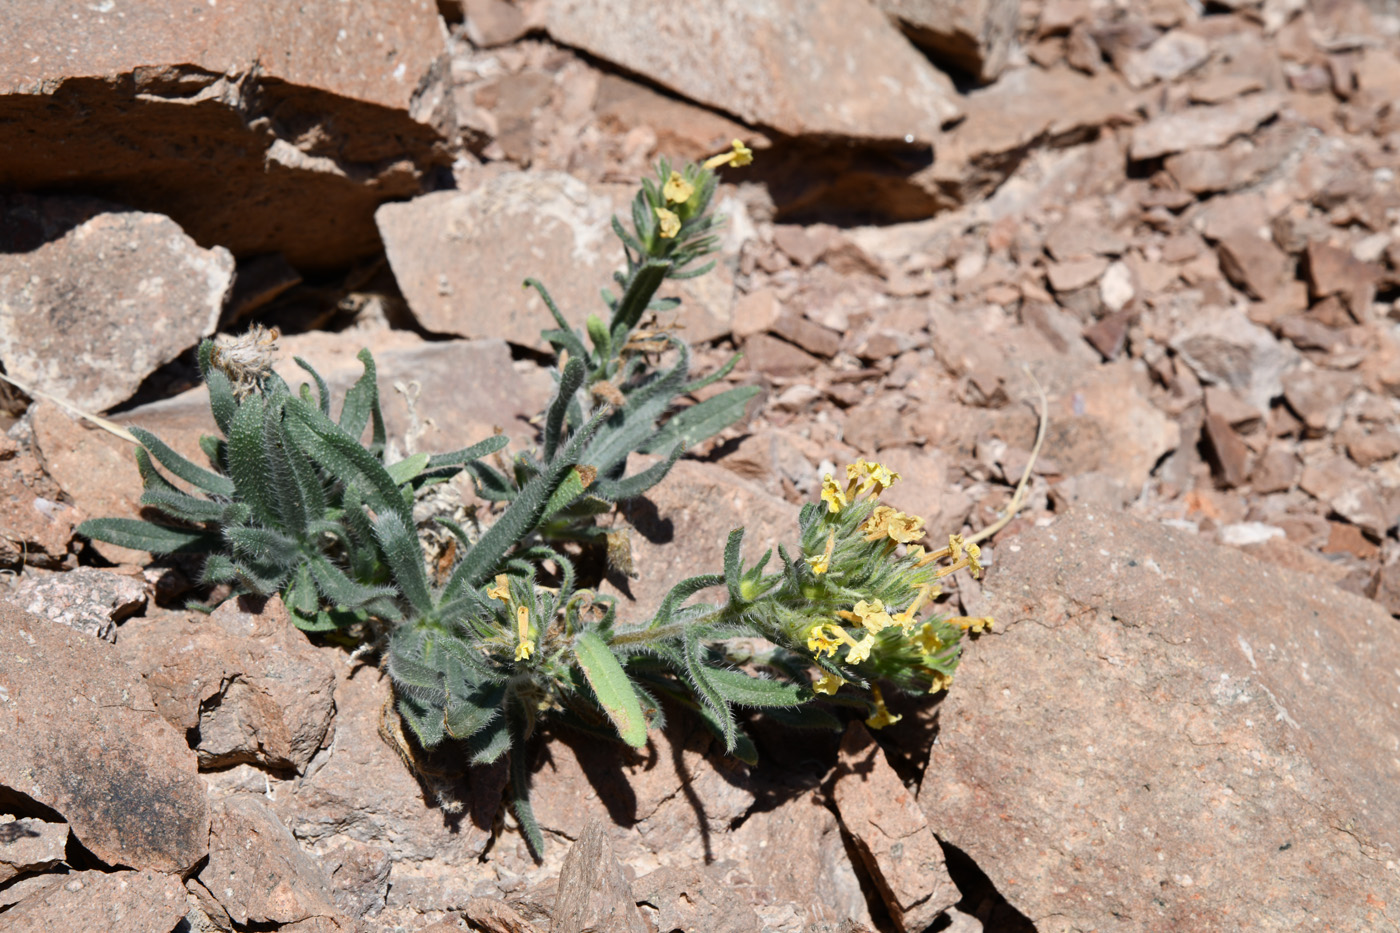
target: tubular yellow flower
<point>864,476</point>
<point>828,683</point>
<point>522,626</point>
<point>872,615</point>
<point>905,619</point>
<point>941,681</point>
<point>670,223</point>
<point>677,190</point>
<point>927,640</point>
<point>882,716</point>
<point>899,527</point>
<point>860,651</point>
<point>976,624</point>
<point>818,639</point>
<point>501,590</point>
<point>833,495</point>
<point>738,156</point>
<point>821,564</point>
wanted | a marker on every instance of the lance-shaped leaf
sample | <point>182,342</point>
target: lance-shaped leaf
<point>734,566</point>
<point>640,290</point>
<point>680,593</point>
<point>701,421</point>
<point>569,382</point>
<point>323,391</point>
<point>404,555</point>
<point>147,536</point>
<point>742,690</point>
<point>611,687</point>
<point>191,473</point>
<point>697,674</point>
<point>342,456</point>
<point>362,405</point>
<point>468,454</point>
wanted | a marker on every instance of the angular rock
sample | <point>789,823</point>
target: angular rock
<point>1348,490</point>
<point>1202,127</point>
<point>1275,470</point>
<point>1238,164</point>
<point>699,504</point>
<point>754,313</point>
<point>891,834</point>
<point>1190,771</point>
<point>1317,395</point>
<point>697,899</point>
<point>460,258</point>
<point>95,298</point>
<point>1175,54</point>
<point>1253,264</point>
<point>771,356</point>
<point>30,845</point>
<point>1228,450</point>
<point>35,528</point>
<point>259,874</point>
<point>1224,347</point>
<point>739,60</point>
<point>593,893</point>
<point>1332,270</point>
<point>263,127</point>
<point>82,736</point>
<point>975,37</point>
<point>250,684</point>
<point>1076,273</point>
<point>130,901</point>
<point>87,599</point>
<point>1105,424</point>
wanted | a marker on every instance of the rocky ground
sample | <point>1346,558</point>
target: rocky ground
<point>1181,220</point>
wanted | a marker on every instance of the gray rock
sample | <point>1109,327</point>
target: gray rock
<point>593,893</point>
<point>976,37</point>
<point>101,297</point>
<point>760,62</point>
<point>1165,730</point>
<point>1202,127</point>
<point>81,735</point>
<point>1223,347</point>
<point>88,599</point>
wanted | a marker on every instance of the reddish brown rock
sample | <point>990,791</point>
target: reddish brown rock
<point>35,527</point>
<point>1190,771</point>
<point>1202,127</point>
<point>1170,57</point>
<point>94,298</point>
<point>1224,347</point>
<point>30,845</point>
<point>1104,423</point>
<point>82,736</point>
<point>87,599</point>
<point>771,356</point>
<point>1275,470</point>
<point>1253,264</point>
<point>1229,451</point>
<point>593,893</point>
<point>891,834</point>
<point>754,313</point>
<point>130,901</point>
<point>975,37</point>
<point>1332,270</point>
<point>876,86</point>
<point>1317,395</point>
<point>244,677</point>
<point>263,127</point>
<point>259,874</point>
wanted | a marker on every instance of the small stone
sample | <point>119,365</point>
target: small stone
<point>492,23</point>
<point>1173,55</point>
<point>88,599</point>
<point>1368,444</point>
<point>593,893</point>
<point>1226,402</point>
<point>1244,534</point>
<point>803,245</point>
<point>1385,588</point>
<point>773,357</point>
<point>1229,452</point>
<point>1076,274</point>
<point>1202,127</point>
<point>1220,88</point>
<point>1116,287</point>
<point>976,37</point>
<point>1254,264</point>
<point>30,845</point>
<point>1318,396</point>
<point>755,313</point>
<point>129,901</point>
<point>1223,347</point>
<point>811,337</point>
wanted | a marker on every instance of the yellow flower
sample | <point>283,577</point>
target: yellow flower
<point>871,615</point>
<point>927,640</point>
<point>828,683</point>
<point>823,563</point>
<point>860,651</point>
<point>900,527</point>
<point>906,618</point>
<point>522,625</point>
<point>941,681</point>
<point>738,156</point>
<point>818,639</point>
<point>833,495</point>
<point>501,590</point>
<point>677,190</point>
<point>863,476</point>
<point>882,716</point>
<point>974,624</point>
<point>670,223</point>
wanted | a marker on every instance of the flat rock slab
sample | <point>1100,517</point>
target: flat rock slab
<point>130,901</point>
<point>760,62</point>
<point>262,126</point>
<point>1164,735</point>
<point>87,599</point>
<point>81,735</point>
<point>976,36</point>
<point>460,258</point>
<point>95,298</point>
<point>1202,127</point>
<point>31,845</point>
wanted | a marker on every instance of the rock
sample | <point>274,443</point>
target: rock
<point>1347,490</point>
<point>460,258</point>
<point>891,834</point>
<point>359,876</point>
<point>1174,55</point>
<point>130,901</point>
<point>814,338</point>
<point>94,469</point>
<point>973,37</point>
<point>1317,395</point>
<point>771,356</point>
<point>243,677</point>
<point>259,874</point>
<point>492,23</point>
<point>701,898</point>
<point>1202,127</point>
<point>35,528</point>
<point>1228,450</point>
<point>1245,534</point>
<point>1275,470</point>
<point>1223,347</point>
<point>30,845</point>
<point>1105,424</point>
<point>1253,264</point>
<point>1024,110</point>
<point>593,893</point>
<point>1332,270</point>
<point>494,916</point>
<point>82,736</point>
<point>1385,588</point>
<point>754,313</point>
<point>1241,770</point>
<point>303,118</point>
<point>1076,273</point>
<point>743,64</point>
<point>1237,164</point>
<point>95,298</point>
<point>1116,287</point>
<point>88,599</point>
<point>698,503</point>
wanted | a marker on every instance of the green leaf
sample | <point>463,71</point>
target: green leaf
<point>463,719</point>
<point>734,566</point>
<point>323,391</point>
<point>569,382</point>
<point>424,722</point>
<point>222,404</point>
<point>520,784</point>
<point>616,490</point>
<point>742,690</point>
<point>568,491</point>
<point>612,688</point>
<point>211,483</point>
<point>404,555</point>
<point>680,593</point>
<point>407,469</point>
<point>641,288</point>
<point>488,745</point>
<point>342,456</point>
<point>147,536</point>
<point>701,421</point>
<point>697,674</point>
<point>264,545</point>
<point>598,333</point>
<point>184,507</point>
<point>247,459</point>
<point>339,589</point>
<point>468,454</point>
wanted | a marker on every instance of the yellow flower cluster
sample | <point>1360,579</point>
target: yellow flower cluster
<point>829,637</point>
<point>882,716</point>
<point>678,191</point>
<point>501,591</point>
